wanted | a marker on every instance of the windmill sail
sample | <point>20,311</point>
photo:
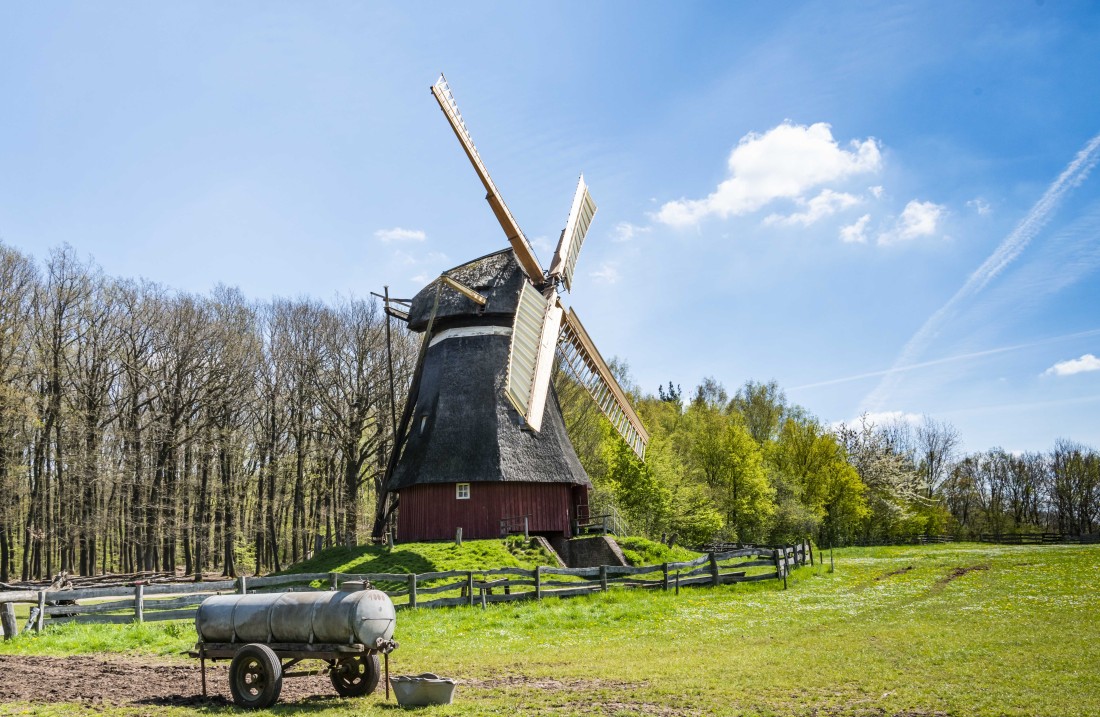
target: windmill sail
<point>531,354</point>
<point>527,259</point>
<point>576,227</point>
<point>580,355</point>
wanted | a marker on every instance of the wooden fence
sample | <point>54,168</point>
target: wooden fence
<point>1011,538</point>
<point>144,602</point>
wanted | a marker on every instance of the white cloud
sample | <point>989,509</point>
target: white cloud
<point>875,191</point>
<point>885,418</point>
<point>543,244</point>
<point>1088,362</point>
<point>823,205</point>
<point>783,163</point>
<point>856,233</point>
<point>880,419</point>
<point>918,219</point>
<point>607,273</point>
<point>980,206</point>
<point>399,234</point>
<point>625,231</point>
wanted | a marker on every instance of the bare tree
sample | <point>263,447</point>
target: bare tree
<point>17,284</point>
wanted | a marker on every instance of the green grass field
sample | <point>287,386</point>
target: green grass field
<point>955,629</point>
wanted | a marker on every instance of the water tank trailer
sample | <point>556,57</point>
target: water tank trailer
<point>267,634</point>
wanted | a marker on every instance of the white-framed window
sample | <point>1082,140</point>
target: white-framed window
<point>462,491</point>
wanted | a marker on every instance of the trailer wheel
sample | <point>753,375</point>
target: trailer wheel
<point>255,676</point>
<point>355,676</point>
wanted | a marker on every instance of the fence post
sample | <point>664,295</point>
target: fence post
<point>603,578</point>
<point>458,536</point>
<point>412,589</point>
<point>7,619</point>
<point>538,582</point>
<point>526,535</point>
<point>483,591</point>
<point>713,570</point>
<point>139,602</point>
<point>810,547</point>
<point>334,580</point>
<point>470,586</point>
<point>242,585</point>
<point>677,582</point>
<point>832,565</point>
<point>778,563</point>
<point>664,578</point>
<point>41,611</point>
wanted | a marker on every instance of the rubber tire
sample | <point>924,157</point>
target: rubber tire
<point>262,665</point>
<point>360,678</point>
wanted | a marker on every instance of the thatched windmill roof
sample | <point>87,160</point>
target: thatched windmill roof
<point>463,428</point>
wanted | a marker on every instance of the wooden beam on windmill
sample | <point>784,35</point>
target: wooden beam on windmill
<point>526,256</point>
<point>464,290</point>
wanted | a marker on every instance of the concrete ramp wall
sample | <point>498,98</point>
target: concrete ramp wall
<point>592,552</point>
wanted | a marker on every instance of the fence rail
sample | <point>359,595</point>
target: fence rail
<point>1002,539</point>
<point>144,602</point>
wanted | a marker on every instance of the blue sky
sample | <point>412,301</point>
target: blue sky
<point>886,207</point>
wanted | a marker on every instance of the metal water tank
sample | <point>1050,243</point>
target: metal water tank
<point>342,617</point>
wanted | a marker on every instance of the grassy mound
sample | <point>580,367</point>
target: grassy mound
<point>425,558</point>
<point>639,551</point>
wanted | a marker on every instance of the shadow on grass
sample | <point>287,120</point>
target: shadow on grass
<point>218,704</point>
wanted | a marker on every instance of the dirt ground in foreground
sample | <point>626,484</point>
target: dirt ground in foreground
<point>93,679</point>
<point>134,681</point>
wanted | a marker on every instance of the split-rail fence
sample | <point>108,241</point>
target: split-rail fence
<point>151,602</point>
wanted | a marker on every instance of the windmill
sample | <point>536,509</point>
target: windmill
<point>482,442</point>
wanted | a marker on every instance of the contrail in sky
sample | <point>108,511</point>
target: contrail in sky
<point>946,359</point>
<point>1002,256</point>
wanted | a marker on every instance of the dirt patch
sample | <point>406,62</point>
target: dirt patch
<point>132,680</point>
<point>957,573</point>
<point>892,573</point>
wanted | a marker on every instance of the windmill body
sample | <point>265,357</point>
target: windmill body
<point>468,460</point>
<point>482,443</point>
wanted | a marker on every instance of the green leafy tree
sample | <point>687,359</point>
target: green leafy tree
<point>727,459</point>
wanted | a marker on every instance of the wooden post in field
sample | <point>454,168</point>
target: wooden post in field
<point>603,578</point>
<point>242,585</point>
<point>41,611</point>
<point>139,602</point>
<point>778,564</point>
<point>470,586</point>
<point>458,536</point>
<point>412,589</point>
<point>713,570</point>
<point>7,620</point>
<point>538,582</point>
<point>677,582</point>
<point>664,576</point>
<point>832,565</point>
<point>483,591</point>
<point>810,547</point>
